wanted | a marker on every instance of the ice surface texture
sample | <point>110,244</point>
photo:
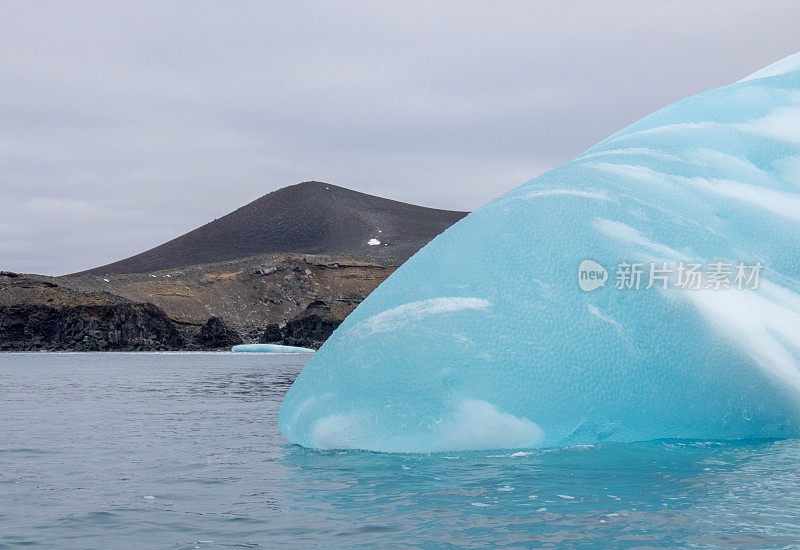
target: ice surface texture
<point>484,339</point>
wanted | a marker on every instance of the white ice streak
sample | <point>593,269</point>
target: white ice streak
<point>565,192</point>
<point>634,172</point>
<point>634,151</point>
<point>393,319</point>
<point>764,324</point>
<point>782,124</point>
<point>778,202</point>
<point>725,163</point>
<point>625,233</point>
<point>680,127</point>
<point>602,316</point>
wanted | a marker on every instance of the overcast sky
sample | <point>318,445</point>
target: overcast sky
<point>125,125</point>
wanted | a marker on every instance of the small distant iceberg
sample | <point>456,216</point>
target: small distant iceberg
<point>269,348</point>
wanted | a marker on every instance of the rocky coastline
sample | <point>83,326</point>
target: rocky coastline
<point>283,299</point>
<point>284,269</point>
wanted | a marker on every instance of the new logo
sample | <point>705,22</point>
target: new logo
<point>591,275</point>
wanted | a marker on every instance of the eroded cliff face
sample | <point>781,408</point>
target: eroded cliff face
<point>36,313</point>
<point>279,298</point>
<point>118,327</point>
<point>301,297</point>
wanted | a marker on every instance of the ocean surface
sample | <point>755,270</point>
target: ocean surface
<point>182,450</point>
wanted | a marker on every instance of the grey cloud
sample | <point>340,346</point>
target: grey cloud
<point>125,124</point>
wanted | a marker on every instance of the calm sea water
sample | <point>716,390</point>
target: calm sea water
<point>151,450</point>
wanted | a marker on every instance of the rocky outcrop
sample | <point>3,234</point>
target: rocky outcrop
<point>284,299</point>
<point>308,329</point>
<point>111,327</point>
<point>312,327</point>
<point>302,298</point>
<point>271,335</point>
<point>215,334</point>
<point>38,313</point>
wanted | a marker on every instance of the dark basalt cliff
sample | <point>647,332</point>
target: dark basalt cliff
<point>215,334</point>
<point>38,314</point>
<point>298,299</point>
<point>308,329</point>
<point>293,300</point>
<point>117,327</point>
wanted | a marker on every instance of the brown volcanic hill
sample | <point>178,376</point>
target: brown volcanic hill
<point>308,218</point>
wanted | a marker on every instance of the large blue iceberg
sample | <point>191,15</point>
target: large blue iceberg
<point>490,338</point>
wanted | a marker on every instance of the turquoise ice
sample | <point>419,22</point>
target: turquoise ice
<point>485,340</point>
<point>269,348</point>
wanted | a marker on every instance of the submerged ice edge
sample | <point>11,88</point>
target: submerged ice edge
<point>473,425</point>
<point>484,337</point>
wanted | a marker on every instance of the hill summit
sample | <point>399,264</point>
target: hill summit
<point>307,218</point>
